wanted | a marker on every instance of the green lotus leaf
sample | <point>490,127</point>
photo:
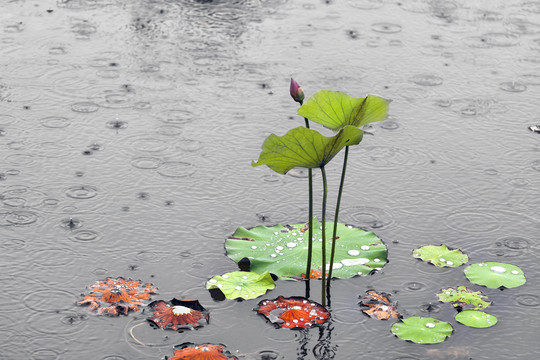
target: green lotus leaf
<point>335,110</point>
<point>476,319</point>
<point>463,297</point>
<point>242,284</point>
<point>307,148</point>
<point>441,256</point>
<point>283,250</point>
<point>422,330</point>
<point>495,274</point>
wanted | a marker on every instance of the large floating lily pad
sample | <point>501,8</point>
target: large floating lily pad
<point>307,148</point>
<point>422,330</point>
<point>282,250</point>
<point>441,255</point>
<point>242,284</point>
<point>495,274</point>
<point>476,319</point>
<point>335,109</point>
<point>464,298</point>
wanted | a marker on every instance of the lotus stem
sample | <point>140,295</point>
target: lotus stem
<point>336,216</point>
<point>323,244</point>
<point>310,221</point>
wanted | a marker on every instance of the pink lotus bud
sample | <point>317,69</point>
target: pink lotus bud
<point>296,91</point>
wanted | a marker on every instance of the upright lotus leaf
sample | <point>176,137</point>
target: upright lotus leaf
<point>441,256</point>
<point>282,250</point>
<point>476,319</point>
<point>422,330</point>
<point>335,110</point>
<point>242,284</point>
<point>495,275</point>
<point>464,298</point>
<point>302,147</point>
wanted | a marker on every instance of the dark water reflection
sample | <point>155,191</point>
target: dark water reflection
<point>127,131</point>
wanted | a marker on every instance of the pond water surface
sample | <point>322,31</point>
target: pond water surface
<point>127,129</point>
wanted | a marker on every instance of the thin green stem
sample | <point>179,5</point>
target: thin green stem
<point>310,221</point>
<point>323,245</point>
<point>336,216</point>
<point>310,226</point>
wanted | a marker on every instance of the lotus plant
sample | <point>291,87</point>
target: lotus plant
<point>305,147</point>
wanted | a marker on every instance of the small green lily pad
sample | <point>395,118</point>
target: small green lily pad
<point>283,249</point>
<point>441,256</point>
<point>495,275</point>
<point>476,319</point>
<point>422,330</point>
<point>464,298</point>
<point>242,284</point>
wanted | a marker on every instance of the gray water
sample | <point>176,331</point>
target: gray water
<point>127,129</point>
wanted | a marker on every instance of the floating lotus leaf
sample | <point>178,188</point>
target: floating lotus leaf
<point>422,330</point>
<point>282,250</point>
<point>176,314</point>
<point>242,284</point>
<point>495,274</point>
<point>115,296</point>
<point>293,312</point>
<point>476,319</point>
<point>190,351</point>
<point>307,148</point>
<point>464,298</point>
<point>335,110</point>
<point>377,305</point>
<point>441,256</point>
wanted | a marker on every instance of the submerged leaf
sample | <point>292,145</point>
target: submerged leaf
<point>282,250</point>
<point>422,330</point>
<point>464,298</point>
<point>293,312</point>
<point>242,284</point>
<point>335,109</point>
<point>476,319</point>
<point>378,306</point>
<point>441,256</point>
<point>302,147</point>
<point>495,274</point>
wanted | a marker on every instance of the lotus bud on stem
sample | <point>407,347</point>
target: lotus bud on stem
<point>296,92</point>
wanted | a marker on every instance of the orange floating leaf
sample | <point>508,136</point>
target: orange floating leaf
<point>293,312</point>
<point>190,351</point>
<point>177,315</point>
<point>117,296</point>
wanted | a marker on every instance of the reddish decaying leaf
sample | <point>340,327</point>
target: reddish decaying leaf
<point>315,274</point>
<point>190,351</point>
<point>293,313</point>
<point>117,296</point>
<point>378,305</point>
<point>177,314</point>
